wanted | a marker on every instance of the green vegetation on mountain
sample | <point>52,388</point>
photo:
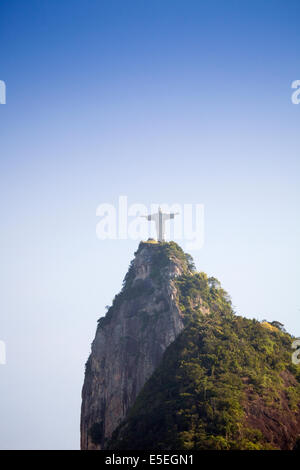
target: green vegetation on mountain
<point>226,382</point>
<point>162,254</point>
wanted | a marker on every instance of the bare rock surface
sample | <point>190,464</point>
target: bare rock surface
<point>130,340</point>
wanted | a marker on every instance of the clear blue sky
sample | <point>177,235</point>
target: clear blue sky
<point>163,101</point>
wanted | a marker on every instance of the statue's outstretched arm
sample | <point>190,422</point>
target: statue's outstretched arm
<point>149,217</point>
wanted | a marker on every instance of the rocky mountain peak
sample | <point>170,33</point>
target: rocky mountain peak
<point>130,340</point>
<point>173,367</point>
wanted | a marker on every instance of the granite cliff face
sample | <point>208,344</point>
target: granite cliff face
<point>225,383</point>
<point>173,367</point>
<point>131,339</point>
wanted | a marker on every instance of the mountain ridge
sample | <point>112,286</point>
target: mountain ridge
<point>131,339</point>
<point>196,376</point>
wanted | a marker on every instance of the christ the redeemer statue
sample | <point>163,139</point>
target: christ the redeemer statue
<point>159,219</point>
